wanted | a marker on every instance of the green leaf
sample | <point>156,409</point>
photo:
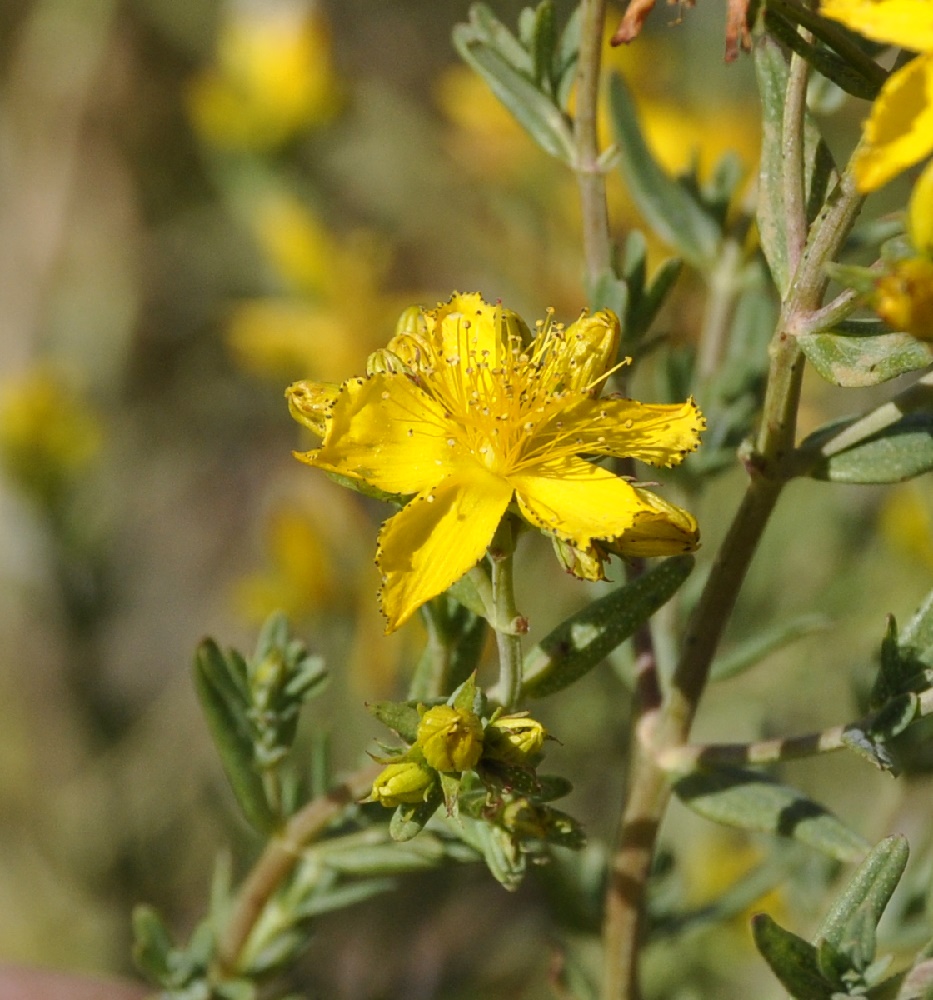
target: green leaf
<point>509,71</point>
<point>917,636</point>
<point>673,212</point>
<point>153,946</point>
<point>858,361</point>
<point>753,801</point>
<point>867,893</point>
<point>889,444</point>
<point>792,960</point>
<point>229,726</point>
<point>409,820</point>
<point>764,643</point>
<point>588,637</point>
<point>502,854</point>
<point>772,73</point>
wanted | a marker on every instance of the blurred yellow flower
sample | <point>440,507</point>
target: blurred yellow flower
<point>477,415</point>
<point>48,433</point>
<point>272,79</point>
<point>300,577</point>
<point>333,303</point>
<point>905,523</point>
<point>899,131</point>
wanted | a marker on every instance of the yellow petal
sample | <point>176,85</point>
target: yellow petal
<point>656,433</point>
<point>900,129</point>
<point>387,432</point>
<point>660,529</point>
<point>579,501</point>
<point>908,23</point>
<point>920,213</point>
<point>437,538</point>
<point>592,345</point>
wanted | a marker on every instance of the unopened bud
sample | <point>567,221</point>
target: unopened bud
<point>450,739</point>
<point>514,739</point>
<point>405,782</point>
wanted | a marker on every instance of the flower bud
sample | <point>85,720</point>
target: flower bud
<point>310,403</point>
<point>904,298</point>
<point>405,782</point>
<point>593,342</point>
<point>514,739</point>
<point>450,739</point>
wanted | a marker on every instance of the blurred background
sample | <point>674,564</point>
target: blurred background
<point>200,202</point>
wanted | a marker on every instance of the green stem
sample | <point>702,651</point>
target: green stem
<point>278,860</point>
<point>597,248</point>
<point>508,624</point>
<point>792,173</point>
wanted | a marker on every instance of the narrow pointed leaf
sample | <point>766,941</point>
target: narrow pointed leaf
<point>229,727</point>
<point>867,892</point>
<point>917,636</point>
<point>766,642</point>
<point>588,637</point>
<point>753,801</point>
<point>674,213</point>
<point>791,959</point>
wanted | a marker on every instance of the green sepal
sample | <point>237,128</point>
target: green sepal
<point>509,70</point>
<point>753,801</point>
<point>401,717</point>
<point>588,637</point>
<point>450,786</point>
<point>225,712</point>
<point>792,960</point>
<point>673,212</point>
<point>765,642</point>
<point>468,697</point>
<point>409,820</point>
<point>857,355</point>
<point>850,924</point>
<point>887,723</point>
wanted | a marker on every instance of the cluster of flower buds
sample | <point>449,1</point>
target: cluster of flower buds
<point>450,741</point>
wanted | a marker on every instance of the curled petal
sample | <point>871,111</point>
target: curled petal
<point>659,529</point>
<point>311,403</point>
<point>437,538</point>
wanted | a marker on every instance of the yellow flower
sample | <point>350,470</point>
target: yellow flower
<point>48,433</point>
<point>450,739</point>
<point>481,415</point>
<point>899,131</point>
<point>273,78</point>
